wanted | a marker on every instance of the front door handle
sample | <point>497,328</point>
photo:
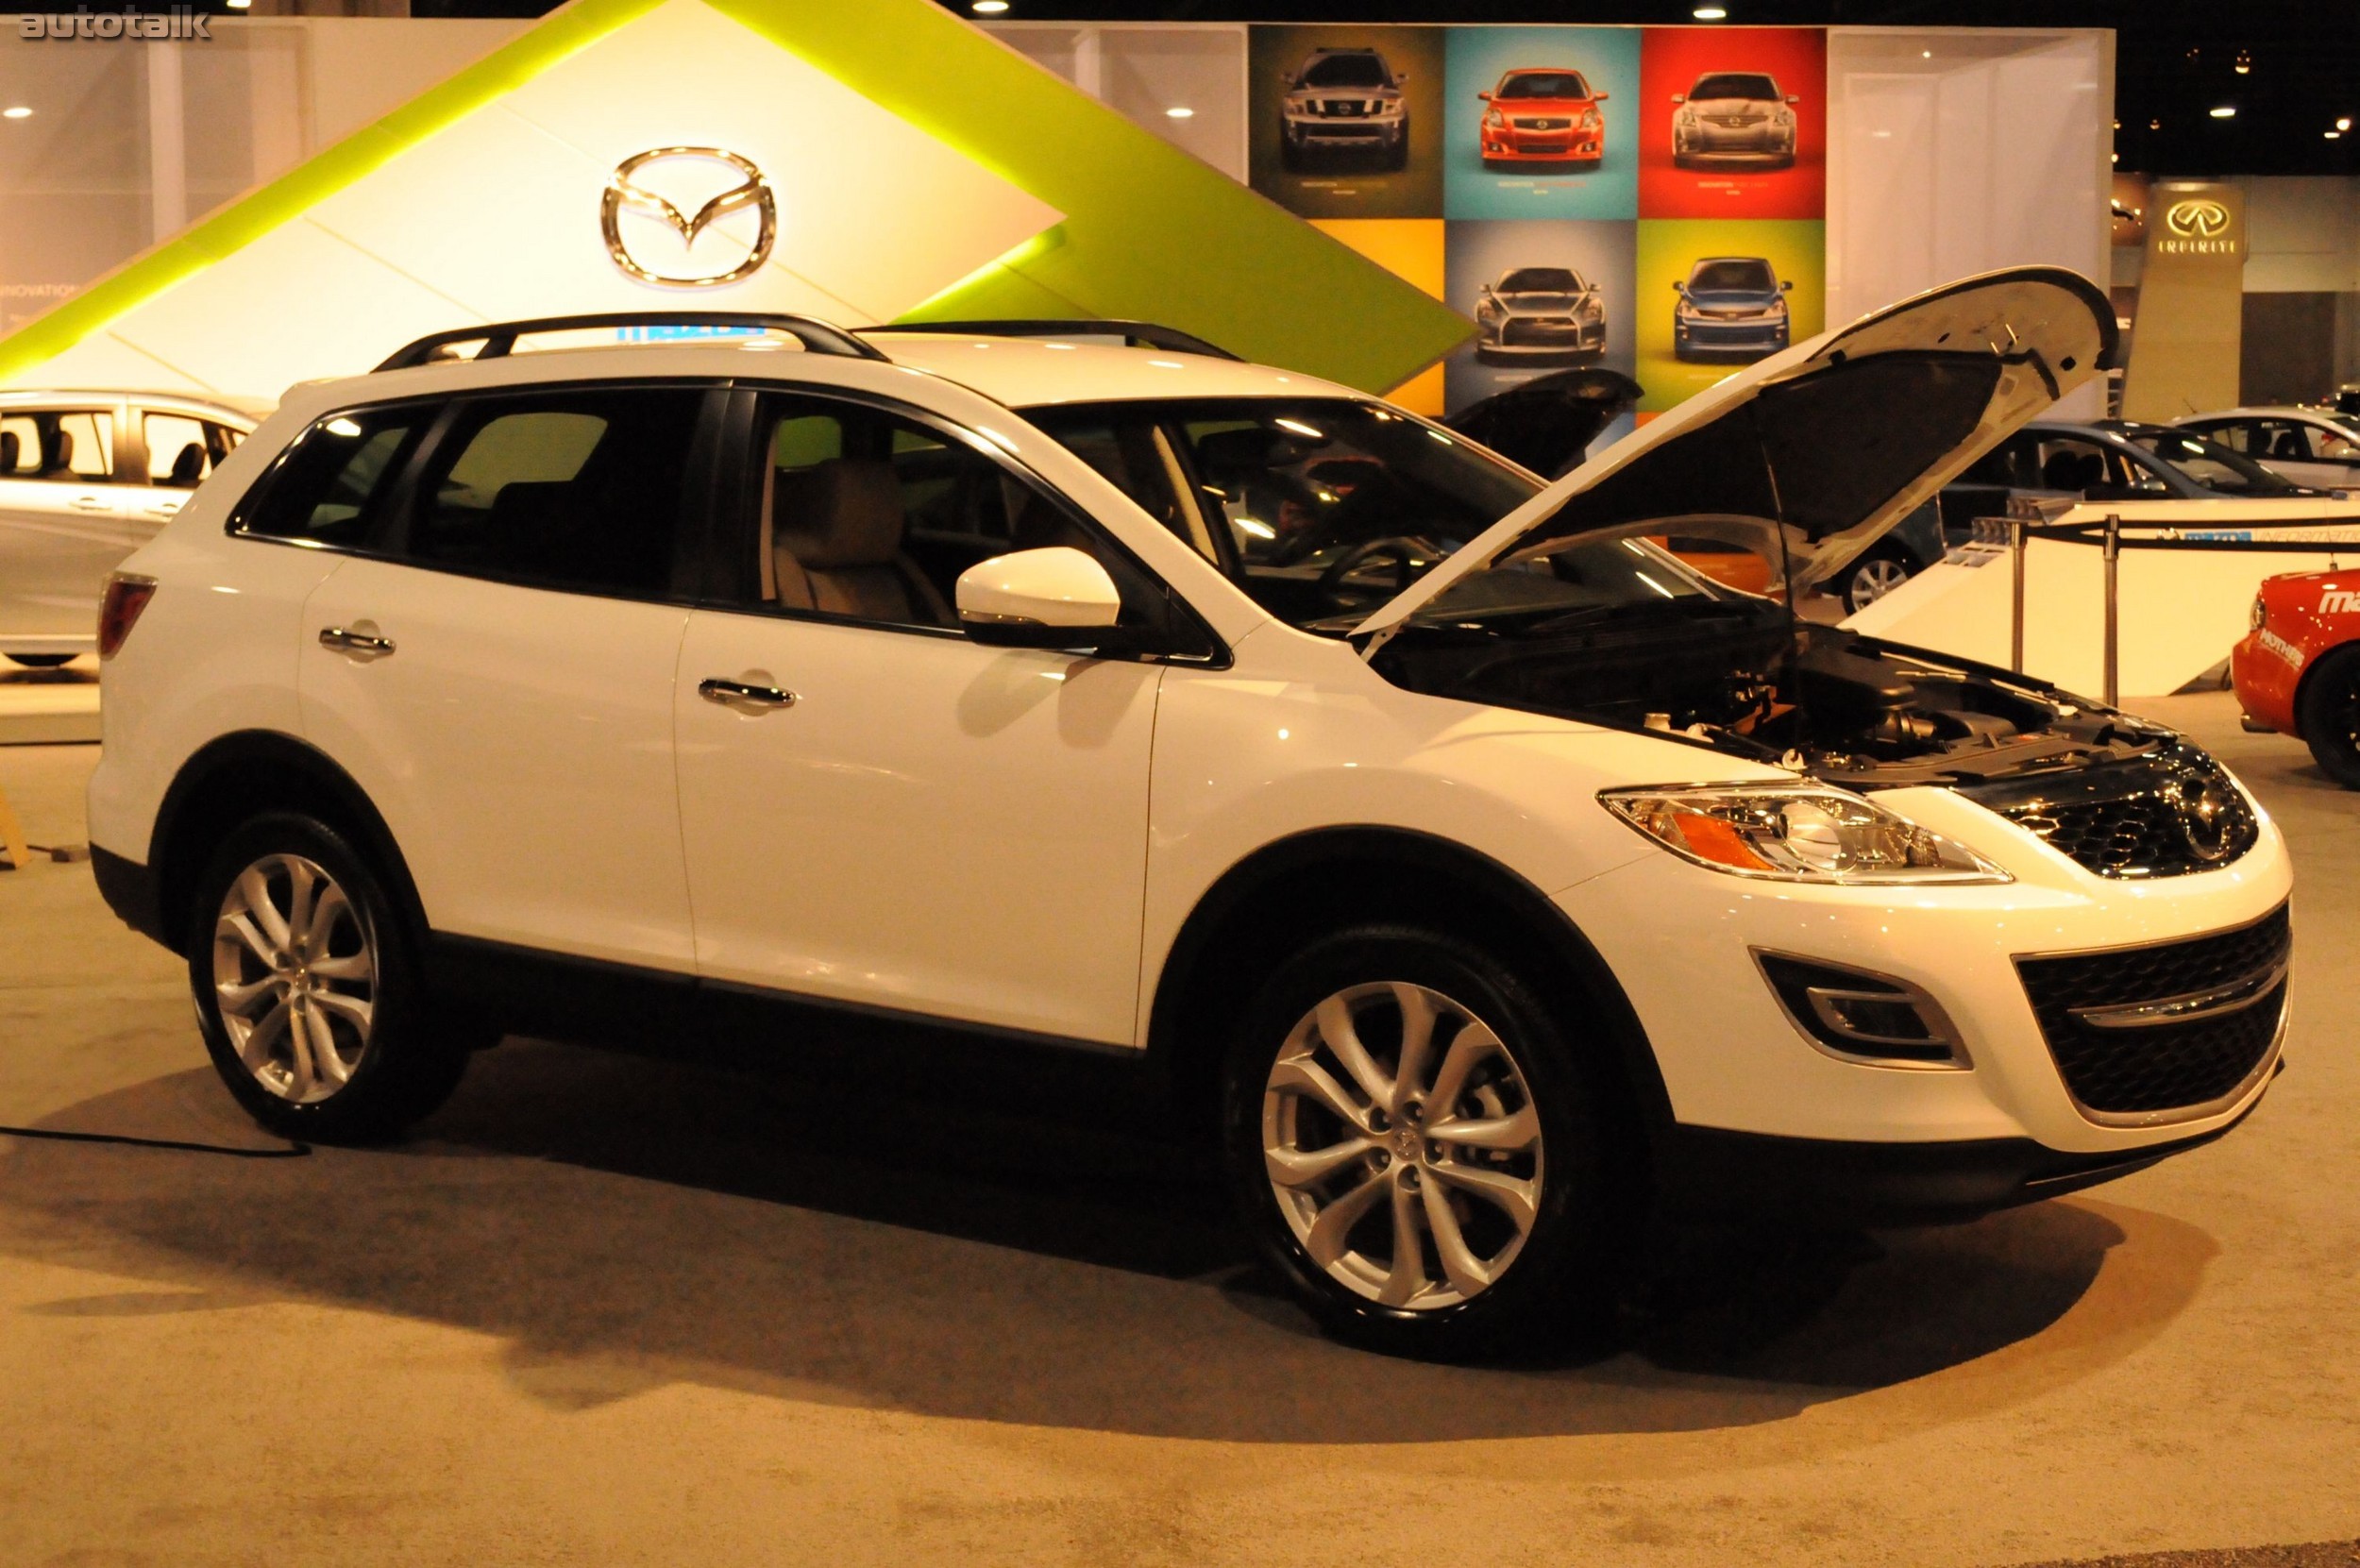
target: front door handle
<point>737,693</point>
<point>91,503</point>
<point>347,641</point>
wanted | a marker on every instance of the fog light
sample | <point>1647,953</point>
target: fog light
<point>1859,1016</point>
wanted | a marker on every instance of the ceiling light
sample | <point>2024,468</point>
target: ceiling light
<point>2245,62</point>
<point>2114,157</point>
<point>16,112</point>
<point>2344,124</point>
<point>237,4</point>
<point>1710,13</point>
<point>2226,111</point>
<point>988,7</point>
<point>1925,54</point>
<point>2154,125</point>
<point>1179,112</point>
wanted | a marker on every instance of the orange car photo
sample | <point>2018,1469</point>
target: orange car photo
<point>1542,116</point>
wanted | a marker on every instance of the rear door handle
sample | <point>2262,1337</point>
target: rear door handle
<point>91,503</point>
<point>345,641</point>
<point>737,693</point>
<point>161,509</point>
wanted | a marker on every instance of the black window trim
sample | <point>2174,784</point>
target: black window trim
<point>732,577</point>
<point>384,535</point>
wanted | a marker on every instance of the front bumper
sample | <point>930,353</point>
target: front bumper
<point>1765,335</point>
<point>1579,146</point>
<point>1540,337</point>
<point>1317,131</point>
<point>1754,145</point>
<point>1733,1061</point>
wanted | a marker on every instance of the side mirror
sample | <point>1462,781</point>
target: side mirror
<point>1600,97</point>
<point>1053,597</point>
<point>1794,97</point>
<point>1678,287</point>
<point>1785,283</point>
<point>1680,97</point>
<point>1485,94</point>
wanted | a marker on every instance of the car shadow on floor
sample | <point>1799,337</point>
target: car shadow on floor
<point>624,1223</point>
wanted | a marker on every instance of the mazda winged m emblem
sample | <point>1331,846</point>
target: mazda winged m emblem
<point>623,192</point>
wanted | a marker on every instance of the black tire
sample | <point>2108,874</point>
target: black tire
<point>2329,715</point>
<point>1869,579</point>
<point>1397,156</point>
<point>409,1058</point>
<point>1557,1287</point>
<point>42,660</point>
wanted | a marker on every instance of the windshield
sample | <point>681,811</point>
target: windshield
<point>1345,70</point>
<point>2211,464</point>
<point>1323,509</point>
<point>1545,84</point>
<point>1733,277</point>
<point>1736,84</point>
<point>1541,280</point>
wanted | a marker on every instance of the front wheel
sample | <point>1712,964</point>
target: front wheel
<point>2330,714</point>
<point>307,988</point>
<point>1873,576</point>
<point>1417,1151</point>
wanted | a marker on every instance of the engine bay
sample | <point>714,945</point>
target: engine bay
<point>1744,681</point>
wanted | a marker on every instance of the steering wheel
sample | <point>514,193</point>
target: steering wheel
<point>1404,553</point>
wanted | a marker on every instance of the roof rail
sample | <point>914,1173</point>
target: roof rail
<point>1135,334</point>
<point>500,338</point>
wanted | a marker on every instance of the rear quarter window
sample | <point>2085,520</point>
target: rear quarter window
<point>328,487</point>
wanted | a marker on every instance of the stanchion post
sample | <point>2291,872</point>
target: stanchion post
<point>2015,595</point>
<point>20,854</point>
<point>2114,564</point>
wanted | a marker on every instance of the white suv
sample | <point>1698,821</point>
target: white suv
<point>1001,689</point>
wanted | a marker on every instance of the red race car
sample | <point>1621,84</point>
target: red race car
<point>2298,671</point>
<point>1542,116</point>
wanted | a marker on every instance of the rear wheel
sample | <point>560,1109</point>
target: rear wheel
<point>307,988</point>
<point>2330,714</point>
<point>1873,576</point>
<point>1417,1150</point>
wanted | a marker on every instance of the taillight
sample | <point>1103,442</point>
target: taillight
<point>2261,615</point>
<point>126,595</point>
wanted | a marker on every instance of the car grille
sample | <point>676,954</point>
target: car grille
<point>1343,105</point>
<point>1733,121</point>
<point>1530,329</point>
<point>1540,122</point>
<point>2166,815</point>
<point>2230,995</point>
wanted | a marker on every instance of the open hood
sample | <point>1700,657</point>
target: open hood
<point>1811,455</point>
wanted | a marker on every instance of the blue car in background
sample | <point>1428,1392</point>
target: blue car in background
<point>1732,307</point>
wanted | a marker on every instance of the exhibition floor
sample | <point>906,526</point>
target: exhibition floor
<point>615,1311</point>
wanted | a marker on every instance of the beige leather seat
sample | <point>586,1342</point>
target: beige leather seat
<point>835,545</point>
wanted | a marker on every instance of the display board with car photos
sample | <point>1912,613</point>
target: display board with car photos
<point>1648,200</point>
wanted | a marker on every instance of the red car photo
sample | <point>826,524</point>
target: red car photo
<point>1542,116</point>
<point>2298,671</point>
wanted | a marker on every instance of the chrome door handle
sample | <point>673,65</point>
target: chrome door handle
<point>729,692</point>
<point>354,642</point>
<point>91,503</point>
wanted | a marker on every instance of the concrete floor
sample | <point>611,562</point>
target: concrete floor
<point>606,1310</point>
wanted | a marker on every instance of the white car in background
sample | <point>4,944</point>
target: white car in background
<point>963,697</point>
<point>86,477</point>
<point>2314,447</point>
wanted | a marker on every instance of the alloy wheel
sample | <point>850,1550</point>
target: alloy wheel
<point>1403,1145</point>
<point>1875,578</point>
<point>295,977</point>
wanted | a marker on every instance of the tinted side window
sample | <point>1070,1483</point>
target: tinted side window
<point>75,446</point>
<point>573,489</point>
<point>334,476</point>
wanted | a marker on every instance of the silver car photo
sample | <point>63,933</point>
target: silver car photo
<point>1734,117</point>
<point>86,477</point>
<point>1540,312</point>
<point>1347,101</point>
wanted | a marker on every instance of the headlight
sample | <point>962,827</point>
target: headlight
<point>1496,119</point>
<point>1796,833</point>
<point>1776,306</point>
<point>1590,310</point>
<point>1589,119</point>
<point>2261,615</point>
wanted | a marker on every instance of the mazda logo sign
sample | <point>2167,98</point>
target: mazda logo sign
<point>2208,817</point>
<point>626,193</point>
<point>2196,219</point>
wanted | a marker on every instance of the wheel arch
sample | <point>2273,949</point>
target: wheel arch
<point>239,776</point>
<point>1258,912</point>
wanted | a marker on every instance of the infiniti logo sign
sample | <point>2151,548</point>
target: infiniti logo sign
<point>626,193</point>
<point>2197,220</point>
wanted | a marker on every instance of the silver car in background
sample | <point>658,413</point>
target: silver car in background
<point>86,477</point>
<point>1733,117</point>
<point>1540,312</point>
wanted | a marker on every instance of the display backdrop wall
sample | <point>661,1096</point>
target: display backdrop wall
<point>918,168</point>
